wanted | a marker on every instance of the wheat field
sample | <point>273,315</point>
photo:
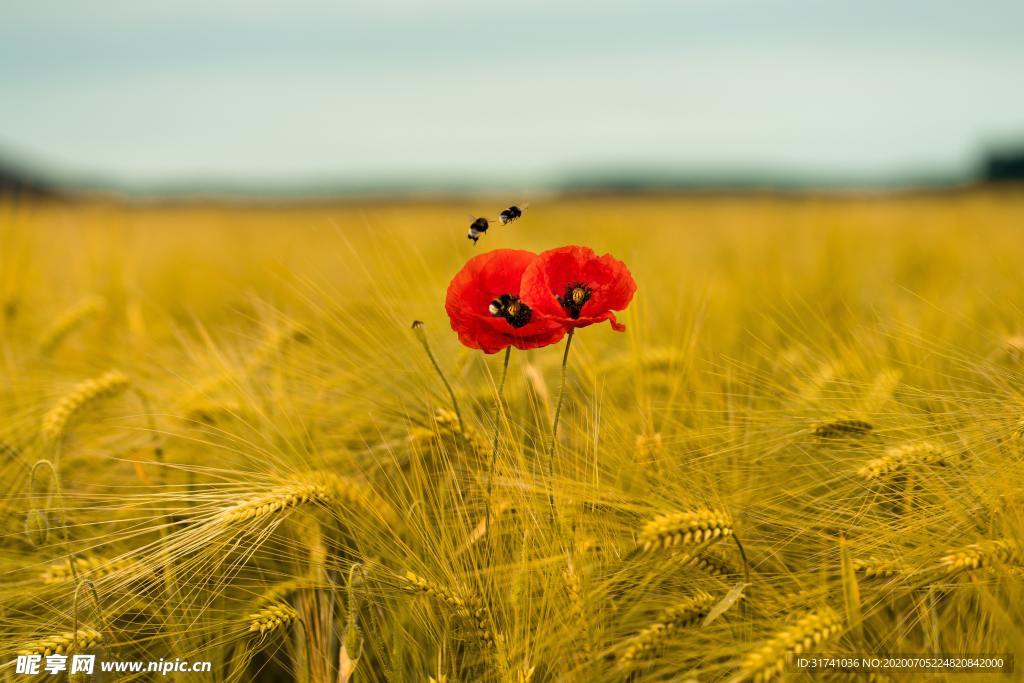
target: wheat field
<point>222,441</point>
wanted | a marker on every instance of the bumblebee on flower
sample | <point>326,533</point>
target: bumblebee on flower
<point>487,311</point>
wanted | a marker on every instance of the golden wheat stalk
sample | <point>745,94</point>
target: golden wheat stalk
<point>274,617</point>
<point>69,321</point>
<point>59,417</point>
<point>841,427</point>
<point>357,495</point>
<point>902,458</point>
<point>466,606</point>
<point>480,530</point>
<point>875,568</point>
<point>811,387</point>
<point>649,448</point>
<point>323,489</point>
<point>275,344</point>
<point>881,391</point>
<point>280,500</point>
<point>524,674</point>
<point>577,610</point>
<point>686,613</point>
<point>991,553</point>
<point>449,433</point>
<point>285,589</point>
<point>693,526</point>
<point>851,590</point>
<point>94,567</point>
<point>64,643</point>
<point>197,397</point>
<point>659,359</point>
<point>768,660</point>
<point>1018,432</point>
<point>710,563</point>
<point>351,649</point>
<point>216,412</point>
<point>574,588</point>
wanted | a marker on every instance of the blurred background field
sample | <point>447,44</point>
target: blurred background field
<point>831,262</point>
<point>839,376</point>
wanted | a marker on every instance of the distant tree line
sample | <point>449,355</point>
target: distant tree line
<point>1004,166</point>
<point>14,182</point>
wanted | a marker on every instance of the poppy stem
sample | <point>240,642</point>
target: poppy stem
<point>494,447</point>
<point>554,424</point>
<point>558,404</point>
<point>421,334</point>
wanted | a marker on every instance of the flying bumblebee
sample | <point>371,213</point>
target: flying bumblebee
<point>479,225</point>
<point>477,228</point>
<point>511,213</point>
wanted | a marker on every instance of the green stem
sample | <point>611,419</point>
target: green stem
<point>554,427</point>
<point>417,326</point>
<point>494,445</point>
<point>558,405</point>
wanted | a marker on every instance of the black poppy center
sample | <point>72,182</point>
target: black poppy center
<point>509,307</point>
<point>576,294</point>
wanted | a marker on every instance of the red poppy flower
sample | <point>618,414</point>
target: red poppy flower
<point>484,305</point>
<point>577,287</point>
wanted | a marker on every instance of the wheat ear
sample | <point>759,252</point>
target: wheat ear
<point>767,661</point>
<point>875,568</point>
<point>58,418</point>
<point>351,649</point>
<point>694,526</point>
<point>69,321</point>
<point>686,613</point>
<point>280,500</point>
<point>93,567</point>
<point>710,563</point>
<point>903,458</point>
<point>273,617</point>
<point>450,432</point>
<point>465,606</point>
<point>981,555</point>
<point>323,489</point>
<point>577,609</point>
<point>841,427</point>
<point>64,643</point>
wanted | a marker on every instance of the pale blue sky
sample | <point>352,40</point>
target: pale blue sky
<point>526,92</point>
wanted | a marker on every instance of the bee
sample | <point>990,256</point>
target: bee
<point>479,225</point>
<point>510,308</point>
<point>477,228</point>
<point>510,214</point>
